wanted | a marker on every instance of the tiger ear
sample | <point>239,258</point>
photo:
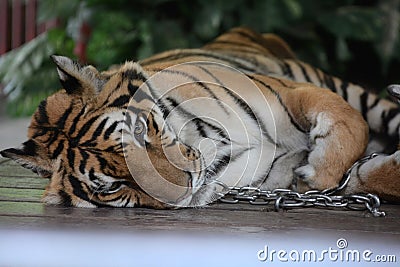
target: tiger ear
<point>77,79</point>
<point>277,46</point>
<point>31,156</point>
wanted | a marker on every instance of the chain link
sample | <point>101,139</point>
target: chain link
<point>283,199</point>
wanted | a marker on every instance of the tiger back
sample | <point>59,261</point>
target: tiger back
<point>267,54</point>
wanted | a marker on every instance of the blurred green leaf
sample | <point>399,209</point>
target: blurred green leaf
<point>294,7</point>
<point>50,9</point>
<point>353,22</point>
<point>342,50</point>
<point>19,65</point>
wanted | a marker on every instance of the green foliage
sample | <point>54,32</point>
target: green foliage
<point>354,39</point>
<point>63,9</point>
<point>24,69</point>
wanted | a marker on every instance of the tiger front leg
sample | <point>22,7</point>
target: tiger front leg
<point>338,136</point>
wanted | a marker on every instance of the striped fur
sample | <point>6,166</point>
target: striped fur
<point>267,54</point>
<point>161,132</point>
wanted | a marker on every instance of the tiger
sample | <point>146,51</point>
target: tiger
<point>181,127</point>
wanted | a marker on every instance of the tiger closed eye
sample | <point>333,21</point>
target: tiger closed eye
<point>115,186</point>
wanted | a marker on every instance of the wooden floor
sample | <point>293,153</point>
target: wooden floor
<point>229,234</point>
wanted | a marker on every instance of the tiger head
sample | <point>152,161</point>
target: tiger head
<point>103,141</point>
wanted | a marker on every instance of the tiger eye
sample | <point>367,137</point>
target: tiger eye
<point>115,186</point>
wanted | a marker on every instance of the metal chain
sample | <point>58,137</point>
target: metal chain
<point>287,199</point>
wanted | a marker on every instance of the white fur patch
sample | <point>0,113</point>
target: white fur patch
<point>113,117</point>
<point>374,117</point>
<point>305,171</point>
<point>322,126</point>
<point>84,204</point>
<point>393,124</point>
<point>51,199</point>
<point>396,157</point>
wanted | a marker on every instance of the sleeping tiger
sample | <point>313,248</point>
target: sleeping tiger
<point>175,130</point>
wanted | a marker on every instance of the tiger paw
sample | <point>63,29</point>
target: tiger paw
<point>302,177</point>
<point>308,178</point>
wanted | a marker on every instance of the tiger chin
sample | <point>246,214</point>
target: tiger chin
<point>177,129</point>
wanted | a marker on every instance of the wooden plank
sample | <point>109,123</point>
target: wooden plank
<point>20,195</point>
<point>4,24</point>
<point>208,219</point>
<point>9,168</point>
<point>17,24</point>
<point>30,20</point>
<point>50,24</point>
<point>23,182</point>
<point>21,208</point>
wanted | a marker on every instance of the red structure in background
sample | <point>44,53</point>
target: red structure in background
<point>81,43</point>
<point>18,23</point>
